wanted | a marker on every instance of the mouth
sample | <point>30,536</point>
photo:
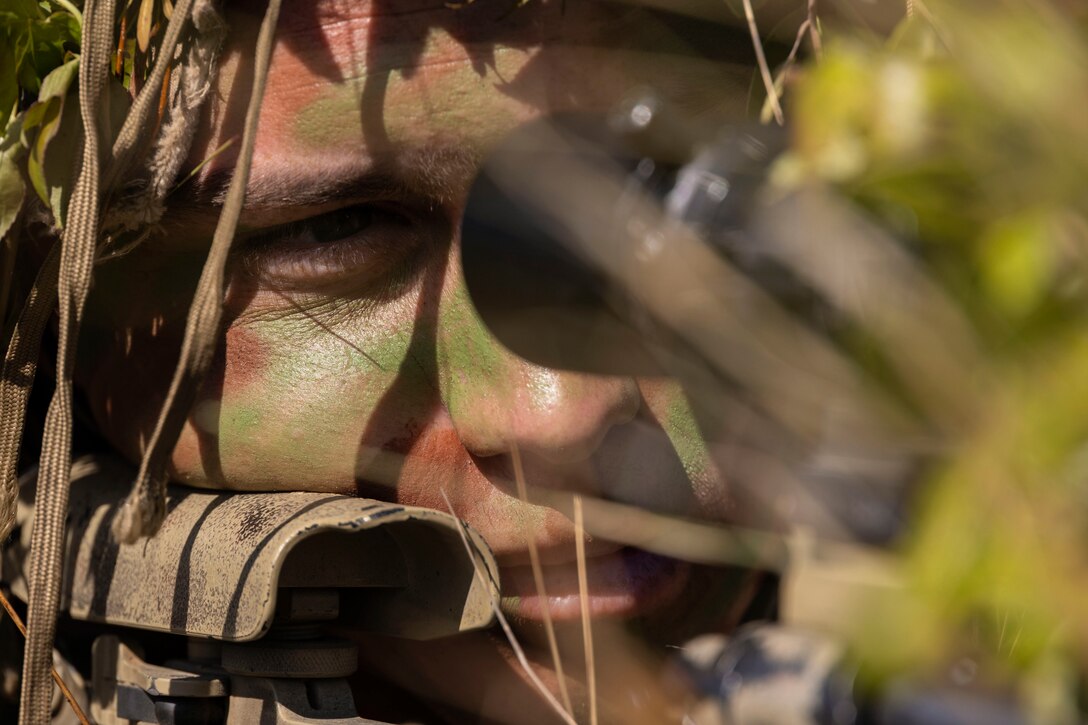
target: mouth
<point>620,584</point>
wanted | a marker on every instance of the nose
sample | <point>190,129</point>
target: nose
<point>497,400</point>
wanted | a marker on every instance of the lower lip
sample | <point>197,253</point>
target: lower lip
<point>624,584</point>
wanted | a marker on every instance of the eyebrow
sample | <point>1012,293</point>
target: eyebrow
<point>429,174</point>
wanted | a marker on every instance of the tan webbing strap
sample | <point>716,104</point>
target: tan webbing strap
<point>146,504</point>
<point>74,279</point>
<point>17,378</point>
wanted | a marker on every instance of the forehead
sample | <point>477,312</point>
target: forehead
<point>340,37</point>
<point>338,66</point>
<point>346,34</point>
<point>390,82</point>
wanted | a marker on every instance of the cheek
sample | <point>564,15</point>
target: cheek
<point>124,374</point>
<point>291,407</point>
<point>469,360</point>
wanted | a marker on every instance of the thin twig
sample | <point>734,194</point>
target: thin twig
<point>703,543</point>
<point>518,651</point>
<point>925,13</point>
<point>583,597</point>
<point>780,77</point>
<point>814,30</point>
<point>164,96</point>
<point>80,715</point>
<point>119,57</point>
<point>808,27</point>
<point>761,59</point>
<point>792,57</point>
<point>538,579</point>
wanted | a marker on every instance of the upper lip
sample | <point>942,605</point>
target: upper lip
<point>558,554</point>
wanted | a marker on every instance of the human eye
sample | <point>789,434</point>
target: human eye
<point>361,250</point>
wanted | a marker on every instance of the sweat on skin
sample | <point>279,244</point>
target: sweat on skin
<point>351,358</point>
<point>330,382</point>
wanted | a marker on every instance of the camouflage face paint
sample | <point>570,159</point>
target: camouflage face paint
<point>671,407</point>
<point>418,108</point>
<point>407,390</point>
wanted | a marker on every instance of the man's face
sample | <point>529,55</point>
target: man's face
<point>352,360</point>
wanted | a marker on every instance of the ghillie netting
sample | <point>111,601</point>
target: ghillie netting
<point>117,189</point>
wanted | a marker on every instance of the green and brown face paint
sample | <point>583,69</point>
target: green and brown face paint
<point>409,392</point>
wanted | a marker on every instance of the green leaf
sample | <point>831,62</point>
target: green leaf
<point>30,121</point>
<point>26,9</point>
<point>62,27</point>
<point>24,66</point>
<point>129,63</point>
<point>12,190</point>
<point>46,51</point>
<point>59,80</point>
<point>45,115</point>
<point>54,145</point>
<point>35,39</point>
<point>14,137</point>
<point>59,158</point>
<point>74,28</point>
<point>48,120</point>
<point>68,8</point>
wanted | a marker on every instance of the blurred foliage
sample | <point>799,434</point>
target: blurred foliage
<point>966,134</point>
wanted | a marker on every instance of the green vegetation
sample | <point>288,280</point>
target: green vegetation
<point>40,41</point>
<point>966,136</point>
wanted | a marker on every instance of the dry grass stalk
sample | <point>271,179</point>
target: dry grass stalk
<point>814,29</point>
<point>538,580</point>
<point>761,59</point>
<point>80,715</point>
<point>809,27</point>
<point>583,596</point>
<point>514,644</point>
<point>704,543</point>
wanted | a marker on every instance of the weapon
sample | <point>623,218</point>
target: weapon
<point>641,244</point>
